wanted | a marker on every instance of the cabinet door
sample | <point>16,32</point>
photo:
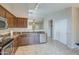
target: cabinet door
<point>25,23</point>
<point>21,22</point>
<point>15,22</point>
<point>18,22</point>
<point>15,44</point>
<point>2,12</point>
<point>29,38</point>
<point>14,47</point>
<point>23,40</point>
<point>34,38</point>
<point>10,20</point>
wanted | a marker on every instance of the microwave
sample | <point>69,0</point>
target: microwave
<point>3,23</point>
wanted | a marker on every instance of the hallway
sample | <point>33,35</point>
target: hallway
<point>50,48</point>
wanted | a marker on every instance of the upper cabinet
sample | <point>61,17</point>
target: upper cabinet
<point>21,22</point>
<point>13,21</point>
<point>6,14</point>
<point>2,12</point>
<point>10,19</point>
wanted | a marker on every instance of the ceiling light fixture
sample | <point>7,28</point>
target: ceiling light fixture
<point>37,6</point>
<point>33,13</point>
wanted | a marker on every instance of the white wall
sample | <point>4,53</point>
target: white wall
<point>75,26</point>
<point>60,30</point>
<point>47,27</point>
<point>66,26</point>
<point>61,26</point>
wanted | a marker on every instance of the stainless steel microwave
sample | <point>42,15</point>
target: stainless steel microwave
<point>3,23</point>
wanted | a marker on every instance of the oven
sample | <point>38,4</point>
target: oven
<point>7,48</point>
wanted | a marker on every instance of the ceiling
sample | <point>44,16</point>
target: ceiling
<point>21,9</point>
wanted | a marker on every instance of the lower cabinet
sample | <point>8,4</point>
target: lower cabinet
<point>22,40</point>
<point>15,45</point>
<point>32,38</point>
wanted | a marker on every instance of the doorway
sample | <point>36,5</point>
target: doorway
<point>51,29</point>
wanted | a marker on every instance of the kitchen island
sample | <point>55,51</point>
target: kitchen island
<point>28,38</point>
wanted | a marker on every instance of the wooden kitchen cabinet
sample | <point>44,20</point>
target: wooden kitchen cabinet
<point>29,38</point>
<point>34,38</point>
<point>10,20</point>
<point>6,14</point>
<point>21,22</point>
<point>15,44</point>
<point>2,12</point>
<point>13,21</point>
<point>23,40</point>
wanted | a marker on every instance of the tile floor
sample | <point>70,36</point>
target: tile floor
<point>50,48</point>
